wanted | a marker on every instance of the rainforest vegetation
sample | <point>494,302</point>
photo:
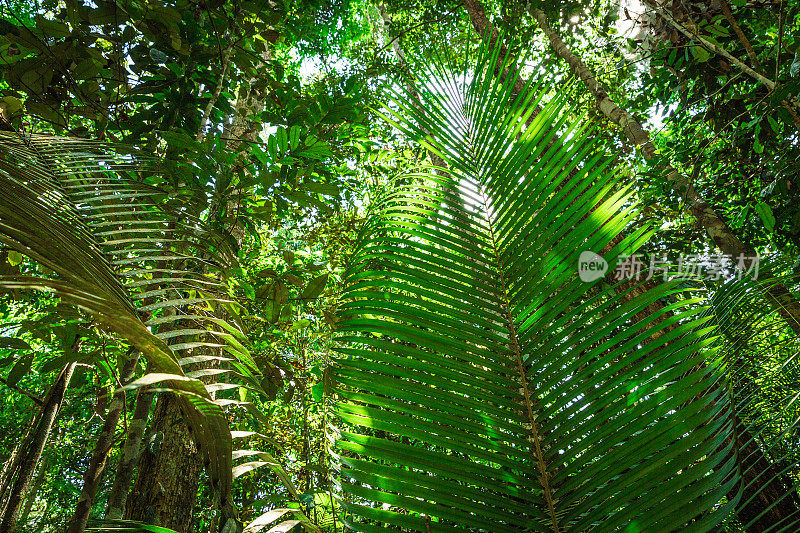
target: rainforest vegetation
<point>399,265</point>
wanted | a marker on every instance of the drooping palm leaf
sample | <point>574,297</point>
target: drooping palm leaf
<point>121,252</point>
<point>273,521</point>
<point>483,386</point>
<point>130,254</point>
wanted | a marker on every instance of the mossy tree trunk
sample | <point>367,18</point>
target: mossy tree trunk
<point>33,448</point>
<point>105,439</point>
<point>165,491</point>
<point>129,455</point>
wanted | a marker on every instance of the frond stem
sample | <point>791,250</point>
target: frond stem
<point>512,333</point>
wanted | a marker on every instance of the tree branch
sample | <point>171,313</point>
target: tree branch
<point>226,62</point>
<point>726,10</point>
<point>708,45</point>
<point>30,395</point>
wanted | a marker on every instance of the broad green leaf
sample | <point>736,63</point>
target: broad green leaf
<point>765,213</point>
<point>13,104</point>
<point>294,137</point>
<point>314,287</point>
<point>282,140</point>
<point>299,324</point>
<point>15,258</point>
<point>158,56</point>
<point>276,296</point>
<point>88,68</point>
<point>700,53</point>
<point>20,368</point>
<point>328,189</point>
<point>14,342</point>
<point>261,156</point>
<point>52,28</point>
<point>178,140</point>
<point>318,391</point>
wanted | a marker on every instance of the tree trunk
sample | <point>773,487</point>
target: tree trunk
<point>105,439</point>
<point>12,463</point>
<point>10,467</point>
<point>165,490</point>
<point>29,501</point>
<point>34,447</point>
<point>129,456</point>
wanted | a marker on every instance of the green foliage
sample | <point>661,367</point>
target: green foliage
<point>720,126</point>
<point>223,259</point>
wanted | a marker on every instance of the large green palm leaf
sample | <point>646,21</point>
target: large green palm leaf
<point>483,385</point>
<point>121,251</point>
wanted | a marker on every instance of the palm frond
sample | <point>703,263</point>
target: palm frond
<point>760,358</point>
<point>274,521</point>
<point>138,263</point>
<point>483,386</point>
